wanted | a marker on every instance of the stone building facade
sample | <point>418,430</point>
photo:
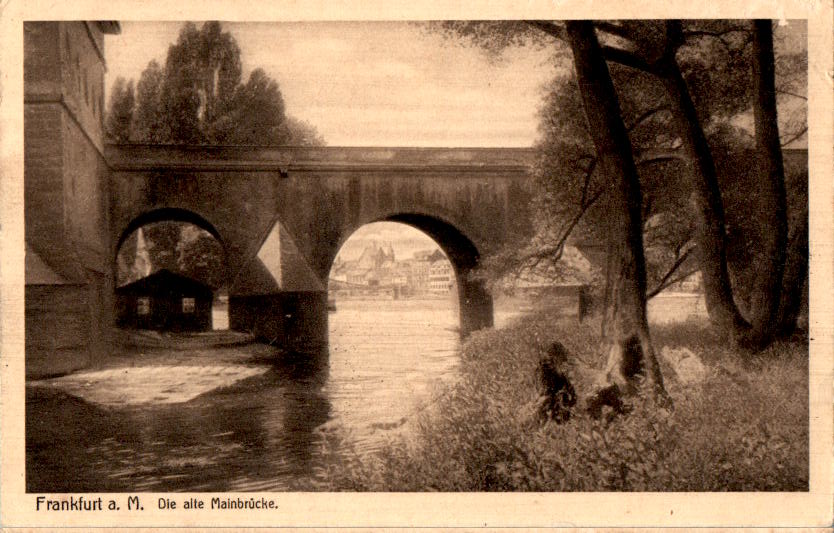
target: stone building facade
<point>69,282</point>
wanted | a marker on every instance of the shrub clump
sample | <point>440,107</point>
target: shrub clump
<point>744,429</point>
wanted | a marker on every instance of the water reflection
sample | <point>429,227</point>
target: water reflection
<point>226,440</point>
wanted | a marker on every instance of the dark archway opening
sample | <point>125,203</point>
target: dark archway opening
<point>171,274</point>
<point>168,214</point>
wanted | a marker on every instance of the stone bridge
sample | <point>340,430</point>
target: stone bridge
<point>282,214</point>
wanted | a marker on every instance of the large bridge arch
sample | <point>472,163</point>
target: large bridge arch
<point>475,301</point>
<point>476,309</point>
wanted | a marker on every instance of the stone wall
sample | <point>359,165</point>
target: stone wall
<point>294,321</point>
<point>66,197</point>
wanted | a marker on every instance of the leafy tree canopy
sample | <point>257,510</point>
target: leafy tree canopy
<point>715,59</point>
<point>199,97</point>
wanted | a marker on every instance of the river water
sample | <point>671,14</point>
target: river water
<point>265,432</point>
<point>262,433</point>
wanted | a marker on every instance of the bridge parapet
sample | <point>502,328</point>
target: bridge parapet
<point>203,158</point>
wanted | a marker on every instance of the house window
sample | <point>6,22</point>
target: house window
<point>143,306</point>
<point>188,305</point>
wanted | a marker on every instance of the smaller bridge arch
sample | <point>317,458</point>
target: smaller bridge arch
<point>168,214</point>
<point>176,293</point>
<point>175,215</point>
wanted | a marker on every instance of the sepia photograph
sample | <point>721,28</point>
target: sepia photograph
<point>441,255</point>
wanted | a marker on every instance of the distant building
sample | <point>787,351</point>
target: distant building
<point>360,276</point>
<point>165,301</point>
<point>376,272</point>
<point>417,274</point>
<point>441,277</point>
<point>428,255</point>
<point>374,256</point>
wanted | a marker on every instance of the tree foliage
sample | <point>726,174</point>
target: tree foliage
<point>162,239</point>
<point>149,121</point>
<point>686,92</point>
<point>199,97</point>
<point>751,55</point>
<point>201,256</point>
<point>178,247</point>
<point>122,102</point>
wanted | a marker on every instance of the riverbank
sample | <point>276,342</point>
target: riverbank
<point>743,428</point>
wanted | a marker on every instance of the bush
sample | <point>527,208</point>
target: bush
<point>744,429</point>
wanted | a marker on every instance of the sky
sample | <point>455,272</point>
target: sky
<point>373,83</point>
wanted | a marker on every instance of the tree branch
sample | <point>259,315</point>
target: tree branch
<point>646,115</point>
<point>560,244</point>
<point>613,29</point>
<point>659,157</point>
<point>674,39</point>
<point>588,173</point>
<point>554,30</point>
<point>665,281</point>
<point>671,282</point>
<point>788,93</point>
<point>795,136</point>
<point>533,258</point>
<point>624,57</point>
<point>720,35</point>
<point>716,34</point>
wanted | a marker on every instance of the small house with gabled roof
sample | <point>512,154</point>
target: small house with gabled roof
<point>165,301</point>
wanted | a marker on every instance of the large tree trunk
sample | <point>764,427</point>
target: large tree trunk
<point>794,278</point>
<point>706,202</point>
<point>773,202</point>
<point>627,270</point>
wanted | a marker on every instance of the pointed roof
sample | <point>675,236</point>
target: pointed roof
<point>278,267</point>
<point>142,258</point>
<point>38,272</point>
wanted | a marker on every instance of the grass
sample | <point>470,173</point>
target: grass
<point>744,429</point>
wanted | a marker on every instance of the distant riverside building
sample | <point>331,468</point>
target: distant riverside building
<point>417,274</point>
<point>377,272</point>
<point>165,301</point>
<point>441,277</point>
<point>374,256</point>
